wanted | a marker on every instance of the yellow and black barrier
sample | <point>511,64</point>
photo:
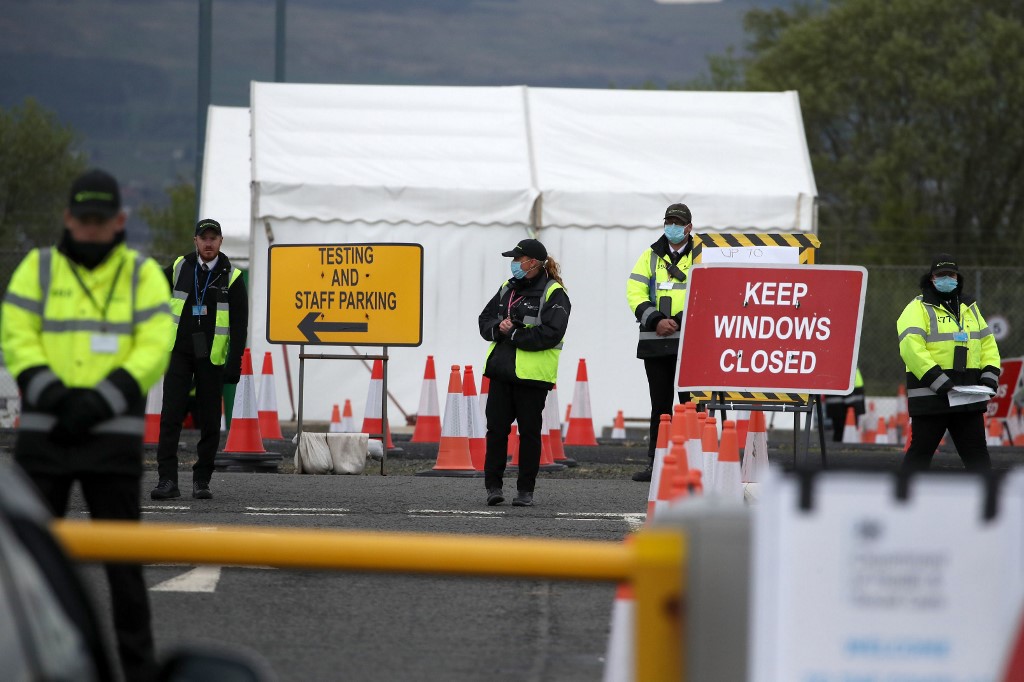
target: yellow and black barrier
<point>653,563</point>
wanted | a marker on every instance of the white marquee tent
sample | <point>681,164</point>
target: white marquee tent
<point>469,171</point>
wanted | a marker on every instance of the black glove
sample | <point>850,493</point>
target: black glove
<point>946,386</point>
<point>990,383</point>
<point>77,413</point>
<point>232,375</point>
<point>52,397</point>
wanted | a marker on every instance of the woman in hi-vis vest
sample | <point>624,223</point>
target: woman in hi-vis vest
<point>952,368</point>
<point>525,322</point>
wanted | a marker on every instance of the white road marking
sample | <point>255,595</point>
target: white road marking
<point>199,579</point>
<point>456,512</point>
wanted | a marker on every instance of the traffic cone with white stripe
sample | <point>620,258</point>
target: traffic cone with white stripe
<point>697,446</point>
<point>453,457</point>
<point>348,421</point>
<point>373,416</point>
<point>565,424</point>
<point>620,661</point>
<point>581,423</point>
<point>154,404</point>
<point>850,433</point>
<point>554,430</point>
<point>881,433</point>
<point>995,432</point>
<point>694,453</point>
<point>428,416</point>
<point>709,452</point>
<point>244,449</point>
<point>476,427</point>
<point>658,468</point>
<point>335,425</point>
<point>619,427</point>
<point>742,424</point>
<point>727,472</point>
<point>755,451</point>
<point>266,405</point>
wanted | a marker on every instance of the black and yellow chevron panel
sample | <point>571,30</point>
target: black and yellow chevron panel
<point>807,243</point>
<point>750,397</point>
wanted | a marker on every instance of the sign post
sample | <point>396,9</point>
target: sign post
<point>345,294</point>
<point>772,328</point>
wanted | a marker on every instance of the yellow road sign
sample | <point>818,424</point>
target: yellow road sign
<point>353,294</point>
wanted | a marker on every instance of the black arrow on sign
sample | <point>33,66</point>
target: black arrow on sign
<point>309,327</point>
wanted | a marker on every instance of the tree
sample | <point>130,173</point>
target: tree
<point>912,115</point>
<point>38,163</point>
<point>172,226</point>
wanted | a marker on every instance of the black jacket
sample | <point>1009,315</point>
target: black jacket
<point>501,364</point>
<point>236,297</point>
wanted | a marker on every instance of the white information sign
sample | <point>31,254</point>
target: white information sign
<point>862,586</point>
<point>749,255</point>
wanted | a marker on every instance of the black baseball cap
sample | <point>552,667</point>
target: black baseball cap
<point>679,211</point>
<point>944,262</point>
<point>528,247</point>
<point>94,193</point>
<point>208,224</point>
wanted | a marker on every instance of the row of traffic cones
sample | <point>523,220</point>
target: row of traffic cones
<point>462,441</point>
<point>265,405</point>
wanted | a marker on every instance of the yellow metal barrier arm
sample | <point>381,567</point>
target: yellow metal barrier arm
<point>653,563</point>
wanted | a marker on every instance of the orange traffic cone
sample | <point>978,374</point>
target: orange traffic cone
<point>335,425</point>
<point>755,452</point>
<point>581,423</point>
<point>694,453</point>
<point>660,453</point>
<point>709,451</point>
<point>348,422</point>
<point>453,457</point>
<point>620,661</point>
<point>727,473</point>
<point>154,403</point>
<point>850,433</point>
<point>373,416</point>
<point>244,448</point>
<point>742,424</point>
<point>995,432</point>
<point>906,445</point>
<point>568,415</point>
<point>554,429</point>
<point>619,427</point>
<point>881,433</point>
<point>428,417</point>
<point>266,405</point>
<point>476,427</point>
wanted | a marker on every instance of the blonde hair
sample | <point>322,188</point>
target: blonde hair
<point>553,270</point>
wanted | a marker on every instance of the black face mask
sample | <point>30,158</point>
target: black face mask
<point>88,254</point>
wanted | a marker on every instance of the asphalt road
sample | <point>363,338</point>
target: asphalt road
<point>320,625</point>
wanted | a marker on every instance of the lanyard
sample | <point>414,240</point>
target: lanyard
<point>110,295</point>
<point>512,300</point>
<point>209,274</point>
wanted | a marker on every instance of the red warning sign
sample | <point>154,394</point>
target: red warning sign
<point>772,328</point>
<point>1009,378</point>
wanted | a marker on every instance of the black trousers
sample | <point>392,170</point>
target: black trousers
<point>508,402</point>
<point>967,430</point>
<point>209,383</point>
<point>110,496</point>
<point>661,382</point>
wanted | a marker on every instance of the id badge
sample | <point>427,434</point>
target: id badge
<point>960,358</point>
<point>105,344</point>
<point>198,310</point>
<point>960,337</point>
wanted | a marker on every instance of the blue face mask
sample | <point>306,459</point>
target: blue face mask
<point>945,284</point>
<point>675,233</point>
<point>517,270</point>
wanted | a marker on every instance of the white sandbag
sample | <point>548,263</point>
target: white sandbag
<point>348,452</point>
<point>313,455</point>
<point>375,449</point>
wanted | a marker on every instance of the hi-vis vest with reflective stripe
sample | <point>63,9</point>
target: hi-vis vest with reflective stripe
<point>536,365</point>
<point>926,338</point>
<point>650,283</point>
<point>48,321</point>
<point>222,323</point>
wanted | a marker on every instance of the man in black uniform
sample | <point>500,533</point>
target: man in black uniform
<point>211,310</point>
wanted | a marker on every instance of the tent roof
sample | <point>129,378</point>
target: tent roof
<point>547,157</point>
<point>391,153</point>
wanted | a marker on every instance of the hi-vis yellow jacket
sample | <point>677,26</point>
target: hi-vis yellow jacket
<point>655,293</point>
<point>54,333</point>
<point>928,336</point>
